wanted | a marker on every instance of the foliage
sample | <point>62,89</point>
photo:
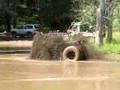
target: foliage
<point>56,14</point>
<point>27,20</point>
<point>45,29</point>
<point>2,28</point>
<point>116,18</point>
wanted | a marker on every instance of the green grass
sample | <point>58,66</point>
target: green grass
<point>114,47</point>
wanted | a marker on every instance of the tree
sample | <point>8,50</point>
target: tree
<point>7,13</point>
<point>61,16</point>
<point>100,23</point>
<point>99,27</point>
<point>8,16</point>
<point>58,14</point>
<point>109,12</point>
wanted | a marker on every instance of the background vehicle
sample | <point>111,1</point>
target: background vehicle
<point>27,30</point>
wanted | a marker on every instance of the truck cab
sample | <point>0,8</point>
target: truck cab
<point>74,28</point>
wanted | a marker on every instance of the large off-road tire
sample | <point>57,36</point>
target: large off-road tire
<point>71,53</point>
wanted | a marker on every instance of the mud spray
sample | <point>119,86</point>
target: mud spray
<point>54,47</point>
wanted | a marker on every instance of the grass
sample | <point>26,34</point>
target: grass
<point>114,47</point>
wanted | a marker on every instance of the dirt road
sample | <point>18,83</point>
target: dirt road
<point>59,75</point>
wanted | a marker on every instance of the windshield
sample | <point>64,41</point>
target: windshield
<point>28,27</point>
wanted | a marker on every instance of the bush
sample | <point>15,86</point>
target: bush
<point>45,29</point>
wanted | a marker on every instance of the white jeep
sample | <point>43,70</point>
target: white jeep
<point>27,30</point>
<point>74,28</point>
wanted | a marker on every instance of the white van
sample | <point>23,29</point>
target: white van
<point>27,30</point>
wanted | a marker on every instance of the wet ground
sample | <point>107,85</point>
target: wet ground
<point>16,44</point>
<point>24,74</point>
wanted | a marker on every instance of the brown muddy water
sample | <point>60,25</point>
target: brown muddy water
<point>21,74</point>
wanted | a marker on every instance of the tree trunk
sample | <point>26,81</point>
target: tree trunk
<point>8,17</point>
<point>99,27</point>
<point>14,22</point>
<point>15,16</point>
<point>110,14</point>
<point>8,23</point>
<point>109,34</point>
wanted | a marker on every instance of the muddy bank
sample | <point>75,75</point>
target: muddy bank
<point>15,51</point>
